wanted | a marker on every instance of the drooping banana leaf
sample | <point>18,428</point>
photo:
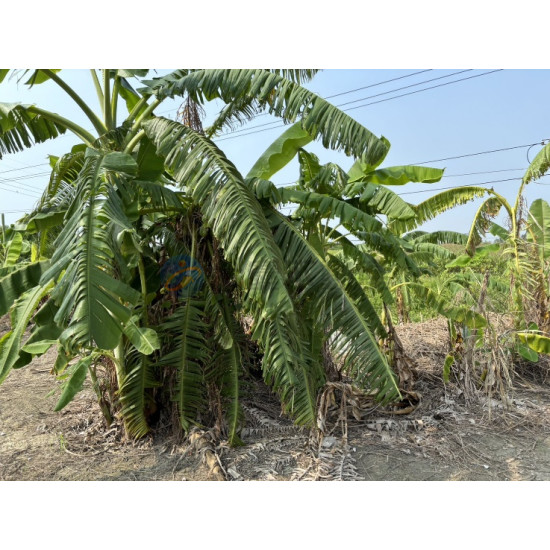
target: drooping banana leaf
<point>186,330</point>
<point>330,207</point>
<point>341,307</point>
<point>20,128</point>
<point>482,222</point>
<point>432,207</point>
<point>464,315</point>
<point>139,377</point>
<point>88,294</point>
<point>539,166</point>
<point>438,237</point>
<point>380,200</point>
<point>228,361</point>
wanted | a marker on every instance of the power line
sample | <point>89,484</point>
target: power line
<point>4,189</point>
<point>16,212</point>
<point>405,87</point>
<point>347,103</point>
<point>542,142</point>
<point>377,84</point>
<point>26,176</point>
<point>425,89</point>
<point>22,186</point>
<point>19,185</point>
<point>24,168</point>
<point>375,102</point>
<point>18,178</point>
<point>457,187</point>
<point>19,192</point>
<point>483,152</point>
<point>485,172</point>
<point>400,194</point>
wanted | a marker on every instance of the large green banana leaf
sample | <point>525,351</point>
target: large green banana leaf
<point>380,200</point>
<point>400,175</point>
<point>97,304</point>
<point>280,152</point>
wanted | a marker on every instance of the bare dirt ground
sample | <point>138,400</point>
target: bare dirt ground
<point>442,438</point>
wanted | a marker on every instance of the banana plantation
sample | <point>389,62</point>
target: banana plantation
<point>182,292</point>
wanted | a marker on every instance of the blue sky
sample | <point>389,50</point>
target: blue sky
<point>493,111</point>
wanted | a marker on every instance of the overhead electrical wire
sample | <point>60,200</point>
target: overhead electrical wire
<point>484,172</point>
<point>542,142</point>
<point>475,184</point>
<point>19,192</point>
<point>458,186</point>
<point>18,184</point>
<point>347,103</point>
<point>425,89</point>
<point>24,168</point>
<point>367,104</point>
<point>374,85</point>
<point>404,87</point>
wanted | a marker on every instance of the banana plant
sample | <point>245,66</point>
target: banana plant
<point>141,190</point>
<point>344,216</point>
<point>536,264</point>
<point>525,248</point>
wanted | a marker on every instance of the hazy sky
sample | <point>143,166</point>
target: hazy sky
<point>499,110</point>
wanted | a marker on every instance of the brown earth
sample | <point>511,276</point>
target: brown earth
<point>443,438</point>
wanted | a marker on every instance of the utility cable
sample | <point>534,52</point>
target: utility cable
<point>457,187</point>
<point>24,168</point>
<point>482,152</point>
<point>19,192</point>
<point>347,103</point>
<point>374,102</point>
